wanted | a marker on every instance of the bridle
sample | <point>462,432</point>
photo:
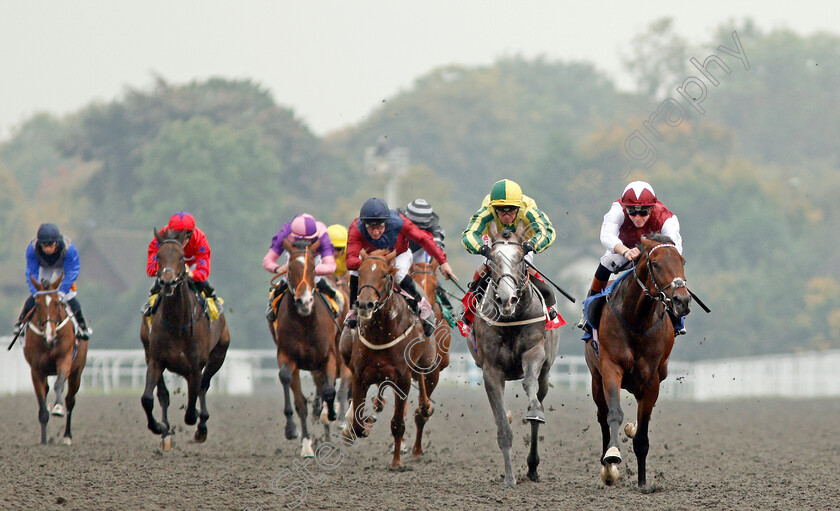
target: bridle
<point>179,277</point>
<point>388,290</point>
<point>58,324</point>
<point>660,296</point>
<point>305,268</point>
<point>518,283</point>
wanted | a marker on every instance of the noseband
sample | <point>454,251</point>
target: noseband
<point>58,326</point>
<point>677,283</point>
<point>518,283</point>
<point>306,262</point>
<point>389,287</point>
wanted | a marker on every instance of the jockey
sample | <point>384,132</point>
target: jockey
<point>49,256</point>
<point>304,228</point>
<point>423,216</point>
<point>196,256</point>
<point>378,227</point>
<point>506,206</point>
<point>637,213</point>
<point>338,237</point>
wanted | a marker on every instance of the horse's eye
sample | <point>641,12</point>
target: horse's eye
<point>655,265</point>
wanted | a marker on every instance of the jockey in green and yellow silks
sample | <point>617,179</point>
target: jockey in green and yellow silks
<point>507,206</point>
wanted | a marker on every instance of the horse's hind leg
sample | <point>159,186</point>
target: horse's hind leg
<point>286,379</point>
<point>343,392</point>
<point>41,389</point>
<point>73,384</point>
<point>532,362</point>
<point>398,421</point>
<point>300,405</point>
<point>321,379</point>
<point>641,443</point>
<point>610,416</point>
<point>533,455</point>
<point>154,374</point>
<point>494,385</point>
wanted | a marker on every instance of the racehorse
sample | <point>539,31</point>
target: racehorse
<point>511,343</point>
<point>424,275</point>
<point>387,349</point>
<point>633,342</point>
<point>50,350</point>
<point>305,334</point>
<point>182,339</point>
<point>343,394</point>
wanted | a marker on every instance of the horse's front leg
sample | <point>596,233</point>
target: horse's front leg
<point>494,385</point>
<point>611,375</point>
<point>321,379</point>
<point>154,374</point>
<point>286,380</point>
<point>358,422</point>
<point>163,399</point>
<point>641,443</point>
<point>193,388</point>
<point>532,362</point>
<point>39,382</point>
<point>398,421</point>
<point>300,405</point>
<point>328,391</point>
<point>73,384</point>
<point>62,371</point>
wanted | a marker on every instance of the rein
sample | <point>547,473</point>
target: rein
<point>519,284</point>
<point>661,296</point>
<point>58,326</point>
<point>389,286</point>
<point>180,278</point>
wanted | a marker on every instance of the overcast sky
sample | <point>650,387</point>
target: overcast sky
<point>332,62</point>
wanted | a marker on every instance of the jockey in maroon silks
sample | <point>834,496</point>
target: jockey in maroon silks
<point>637,213</point>
<point>378,227</point>
<point>196,255</point>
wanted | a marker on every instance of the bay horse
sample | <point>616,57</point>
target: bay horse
<point>387,349</point>
<point>305,334</point>
<point>634,340</point>
<point>181,339</point>
<point>511,343</point>
<point>50,349</point>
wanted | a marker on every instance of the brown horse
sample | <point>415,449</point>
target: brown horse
<point>387,349</point>
<point>305,334</point>
<point>181,339</point>
<point>342,286</point>
<point>49,350</point>
<point>424,275</point>
<point>512,343</point>
<point>635,337</point>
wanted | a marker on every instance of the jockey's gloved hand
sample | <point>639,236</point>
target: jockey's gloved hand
<point>527,246</point>
<point>485,251</point>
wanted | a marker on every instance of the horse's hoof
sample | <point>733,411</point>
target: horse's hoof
<point>200,436</point>
<point>612,456</point>
<point>331,415</point>
<point>292,433</point>
<point>325,415</point>
<point>630,429</point>
<point>510,482</point>
<point>533,476</point>
<point>306,449</point>
<point>509,415</point>
<point>341,425</point>
<point>396,466</point>
<point>535,415</point>
<point>67,440</point>
<point>58,410</point>
<point>609,473</point>
<point>347,434</point>
<point>166,444</point>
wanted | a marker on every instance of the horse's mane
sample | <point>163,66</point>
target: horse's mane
<point>659,237</point>
<point>169,234</point>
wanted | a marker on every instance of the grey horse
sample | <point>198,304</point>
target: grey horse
<point>511,342</point>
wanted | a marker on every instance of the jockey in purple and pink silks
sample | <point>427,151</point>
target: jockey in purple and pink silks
<point>302,227</point>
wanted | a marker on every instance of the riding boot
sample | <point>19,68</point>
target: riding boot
<point>444,300</point>
<point>84,331</point>
<point>548,296</point>
<point>419,306</point>
<point>147,308</point>
<point>350,320</point>
<point>596,287</point>
<point>324,287</point>
<point>28,305</point>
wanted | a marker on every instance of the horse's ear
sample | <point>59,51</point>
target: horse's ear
<point>520,228</point>
<point>645,244</point>
<point>182,237</point>
<point>287,245</point>
<point>390,256</point>
<point>362,253</point>
<point>35,283</point>
<point>57,283</point>
<point>158,237</point>
<point>493,230</point>
<point>315,246</point>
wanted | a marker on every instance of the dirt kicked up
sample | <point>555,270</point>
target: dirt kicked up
<point>745,454</point>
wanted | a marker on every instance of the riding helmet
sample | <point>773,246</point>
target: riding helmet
<point>638,193</point>
<point>182,222</point>
<point>374,209</point>
<point>338,235</point>
<point>304,226</point>
<point>48,233</point>
<point>505,193</point>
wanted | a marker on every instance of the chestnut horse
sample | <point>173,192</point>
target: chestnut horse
<point>424,275</point>
<point>635,336</point>
<point>181,339</point>
<point>305,334</point>
<point>512,343</point>
<point>49,350</point>
<point>387,349</point>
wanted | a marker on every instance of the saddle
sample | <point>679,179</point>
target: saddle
<point>212,307</point>
<point>593,306</point>
<point>476,297</point>
<point>335,306</point>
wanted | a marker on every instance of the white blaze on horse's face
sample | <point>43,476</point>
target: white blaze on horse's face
<point>49,326</point>
<point>507,275</point>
